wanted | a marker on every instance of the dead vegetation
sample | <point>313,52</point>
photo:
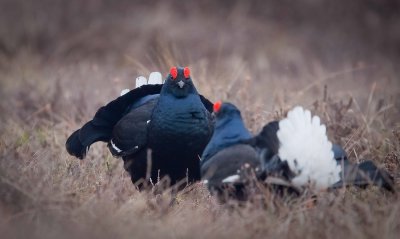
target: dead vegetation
<point>57,69</point>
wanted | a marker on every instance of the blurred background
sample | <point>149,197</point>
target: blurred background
<point>266,40</point>
<point>278,33</point>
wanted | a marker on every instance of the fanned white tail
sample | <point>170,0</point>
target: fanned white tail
<point>154,78</point>
<point>305,146</point>
<point>141,80</point>
<point>124,91</point>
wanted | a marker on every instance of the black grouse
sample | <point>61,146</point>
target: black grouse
<point>295,150</point>
<point>170,120</point>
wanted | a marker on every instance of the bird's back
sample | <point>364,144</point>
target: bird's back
<point>228,162</point>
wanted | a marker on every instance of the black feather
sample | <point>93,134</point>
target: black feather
<point>101,126</point>
<point>267,139</point>
<point>74,146</point>
<point>130,133</point>
<point>364,174</point>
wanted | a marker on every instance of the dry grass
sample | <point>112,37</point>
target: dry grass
<point>57,69</point>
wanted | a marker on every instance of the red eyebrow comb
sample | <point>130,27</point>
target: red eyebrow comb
<point>174,72</point>
<point>217,106</point>
<point>186,72</point>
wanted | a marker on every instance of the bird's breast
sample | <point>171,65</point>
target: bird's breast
<point>183,124</point>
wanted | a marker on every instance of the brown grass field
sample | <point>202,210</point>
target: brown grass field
<point>61,60</point>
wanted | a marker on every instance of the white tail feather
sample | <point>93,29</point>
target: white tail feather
<point>231,179</point>
<point>124,91</point>
<point>141,80</point>
<point>155,78</point>
<point>305,146</point>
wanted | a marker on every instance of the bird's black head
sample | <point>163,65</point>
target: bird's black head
<point>229,129</point>
<point>179,83</point>
<point>225,110</point>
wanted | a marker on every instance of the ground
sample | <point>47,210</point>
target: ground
<point>62,60</point>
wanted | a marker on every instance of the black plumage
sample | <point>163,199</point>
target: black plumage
<point>171,121</point>
<point>232,149</point>
<point>361,174</point>
<point>228,157</point>
<point>100,128</point>
<point>228,172</point>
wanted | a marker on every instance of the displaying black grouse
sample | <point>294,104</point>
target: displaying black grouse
<point>172,121</point>
<point>295,150</point>
<point>227,154</point>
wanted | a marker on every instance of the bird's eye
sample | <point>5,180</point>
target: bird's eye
<point>186,72</point>
<point>173,72</point>
<point>217,106</point>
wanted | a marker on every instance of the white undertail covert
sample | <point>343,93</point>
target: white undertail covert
<point>305,146</point>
